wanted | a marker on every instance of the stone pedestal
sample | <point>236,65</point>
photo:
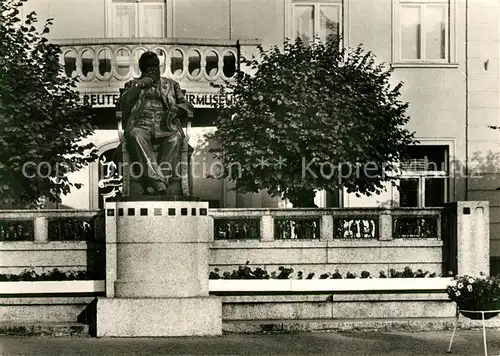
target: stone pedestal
<point>157,271</point>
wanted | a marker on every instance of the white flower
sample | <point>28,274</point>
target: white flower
<point>469,288</point>
<point>460,285</point>
<point>457,293</point>
<point>471,280</point>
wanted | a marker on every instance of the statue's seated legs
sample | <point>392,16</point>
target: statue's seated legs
<point>156,162</point>
<point>169,156</point>
<point>143,164</point>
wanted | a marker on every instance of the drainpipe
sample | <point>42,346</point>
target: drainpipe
<point>466,100</point>
<point>230,21</point>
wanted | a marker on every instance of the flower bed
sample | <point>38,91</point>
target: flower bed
<point>30,275</point>
<point>50,282</point>
<point>245,272</point>
<point>244,279</point>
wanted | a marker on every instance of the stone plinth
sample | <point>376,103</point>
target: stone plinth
<point>130,317</point>
<point>157,270</point>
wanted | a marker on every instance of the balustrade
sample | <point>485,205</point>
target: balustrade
<point>230,229</point>
<point>296,228</point>
<point>326,224</point>
<point>117,59</point>
<point>74,229</point>
<point>51,225</point>
<point>415,227</point>
<point>356,227</point>
<point>16,230</point>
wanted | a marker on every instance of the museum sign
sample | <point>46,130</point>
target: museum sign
<point>197,99</point>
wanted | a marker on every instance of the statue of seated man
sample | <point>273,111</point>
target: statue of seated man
<point>152,107</point>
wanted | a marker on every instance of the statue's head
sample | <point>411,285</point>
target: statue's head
<point>148,61</point>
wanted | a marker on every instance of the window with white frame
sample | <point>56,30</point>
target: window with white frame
<point>138,18</point>
<point>316,18</point>
<point>424,178</point>
<point>423,30</point>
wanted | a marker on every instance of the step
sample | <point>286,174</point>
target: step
<point>44,329</point>
<point>269,326</point>
<point>408,324</point>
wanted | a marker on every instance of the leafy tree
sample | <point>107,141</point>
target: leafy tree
<point>310,118</point>
<point>41,123</point>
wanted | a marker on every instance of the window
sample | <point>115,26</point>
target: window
<point>312,19</point>
<point>138,18</point>
<point>423,31</point>
<point>424,181</point>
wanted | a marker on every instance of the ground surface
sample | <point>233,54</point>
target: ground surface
<point>468,343</point>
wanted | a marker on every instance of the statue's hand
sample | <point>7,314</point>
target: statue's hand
<point>145,82</point>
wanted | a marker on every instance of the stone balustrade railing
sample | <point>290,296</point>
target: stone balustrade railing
<point>117,58</point>
<point>51,225</point>
<point>327,224</point>
<point>263,224</point>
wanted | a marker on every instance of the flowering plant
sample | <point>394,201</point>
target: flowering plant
<point>475,293</point>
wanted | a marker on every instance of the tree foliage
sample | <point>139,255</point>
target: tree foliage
<point>42,124</point>
<point>310,118</point>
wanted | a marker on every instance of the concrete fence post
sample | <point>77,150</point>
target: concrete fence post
<point>266,228</point>
<point>385,226</point>
<point>41,230</point>
<point>326,227</point>
<point>472,238</point>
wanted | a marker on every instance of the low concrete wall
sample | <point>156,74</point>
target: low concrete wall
<point>43,309</point>
<point>45,239</point>
<point>322,256</point>
<point>16,256</point>
<point>337,306</point>
<point>306,256</point>
<point>256,307</point>
<point>354,240</point>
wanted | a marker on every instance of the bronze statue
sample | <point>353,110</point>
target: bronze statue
<point>152,107</point>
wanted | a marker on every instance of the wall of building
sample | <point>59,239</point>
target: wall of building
<point>265,21</point>
<point>436,96</point>
<point>201,19</point>
<point>72,19</point>
<point>484,110</point>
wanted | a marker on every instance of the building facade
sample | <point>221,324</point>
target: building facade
<point>447,53</point>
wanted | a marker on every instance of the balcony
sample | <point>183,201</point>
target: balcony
<point>99,63</point>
